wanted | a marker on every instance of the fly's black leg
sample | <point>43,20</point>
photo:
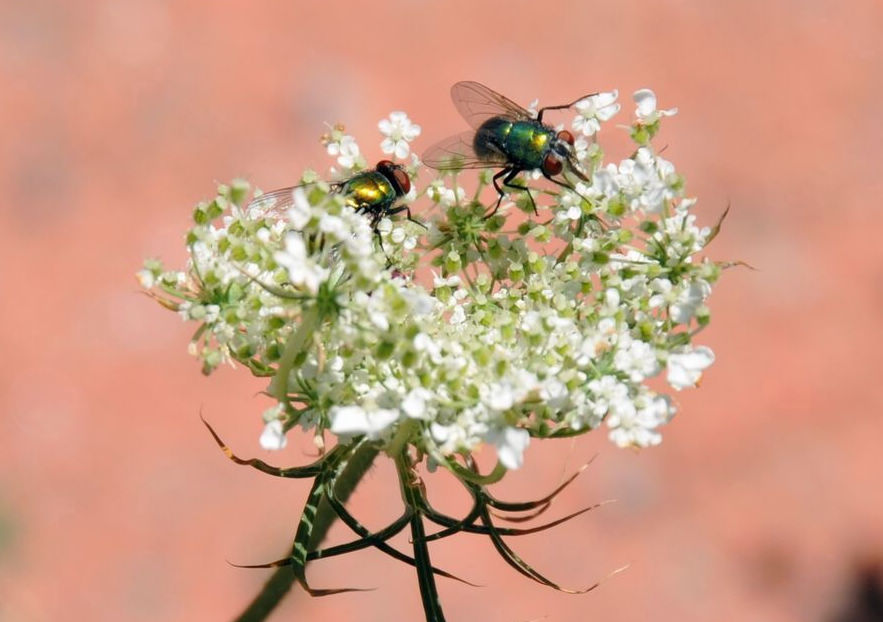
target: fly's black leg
<point>499,190</point>
<point>508,174</point>
<point>407,210</point>
<point>376,217</point>
<point>507,181</point>
<point>563,107</point>
<point>563,184</point>
<point>572,189</point>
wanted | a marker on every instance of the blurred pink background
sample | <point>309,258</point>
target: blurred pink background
<point>117,116</point>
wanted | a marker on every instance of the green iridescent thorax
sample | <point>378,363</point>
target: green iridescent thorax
<point>369,189</point>
<point>524,143</point>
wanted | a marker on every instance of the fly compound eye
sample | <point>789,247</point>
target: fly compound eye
<point>402,180</point>
<point>552,164</point>
<point>566,137</point>
<point>385,164</point>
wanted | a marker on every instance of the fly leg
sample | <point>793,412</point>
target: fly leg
<point>562,107</point>
<point>407,210</point>
<point>376,217</point>
<point>563,184</point>
<point>507,181</point>
<point>573,189</point>
<point>508,174</point>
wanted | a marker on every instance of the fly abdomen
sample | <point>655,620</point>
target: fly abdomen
<point>490,138</point>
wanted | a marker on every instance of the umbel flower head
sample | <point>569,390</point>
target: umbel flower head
<point>429,343</point>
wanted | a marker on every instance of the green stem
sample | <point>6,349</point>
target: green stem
<point>282,579</point>
<point>412,495</point>
<point>295,345</point>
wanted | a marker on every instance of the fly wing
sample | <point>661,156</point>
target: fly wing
<point>457,152</point>
<point>275,202</point>
<point>477,103</point>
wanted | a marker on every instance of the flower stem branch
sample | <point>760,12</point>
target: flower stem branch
<point>281,581</point>
<point>294,346</point>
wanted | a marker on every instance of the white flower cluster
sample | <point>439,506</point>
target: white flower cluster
<point>548,331</point>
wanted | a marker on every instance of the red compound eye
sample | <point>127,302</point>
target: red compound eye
<point>552,165</point>
<point>385,164</point>
<point>566,137</point>
<point>402,180</point>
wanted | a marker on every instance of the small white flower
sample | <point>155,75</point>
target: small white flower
<point>593,110</point>
<point>354,420</point>
<point>146,278</point>
<point>689,300</point>
<point>379,320</point>
<point>554,393</point>
<point>398,235</point>
<point>414,404</point>
<point>458,316</point>
<point>499,396</point>
<point>301,211</point>
<point>510,443</point>
<point>273,437</point>
<point>345,149</point>
<point>612,298</point>
<point>333,226</point>
<point>212,312</point>
<point>636,358</point>
<point>447,196</point>
<point>607,391</point>
<point>646,107</point>
<point>634,423</point>
<point>685,369</point>
<point>399,131</point>
<point>301,270</point>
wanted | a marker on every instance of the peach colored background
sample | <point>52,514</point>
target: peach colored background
<point>118,116</point>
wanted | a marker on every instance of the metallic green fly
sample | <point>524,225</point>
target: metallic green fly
<point>375,193</point>
<point>504,135</point>
<point>372,192</point>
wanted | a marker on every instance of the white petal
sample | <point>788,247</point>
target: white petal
<point>685,370</point>
<point>273,436</point>
<point>348,420</point>
<point>411,132</point>
<point>146,278</point>
<point>510,444</point>
<point>607,112</point>
<point>402,149</point>
<point>354,420</point>
<point>301,210</point>
<point>414,404</point>
<point>606,98</point>
<point>646,101</point>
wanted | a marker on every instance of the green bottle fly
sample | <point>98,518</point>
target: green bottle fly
<point>373,192</point>
<point>504,135</point>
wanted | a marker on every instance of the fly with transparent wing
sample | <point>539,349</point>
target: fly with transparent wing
<point>374,192</point>
<point>507,136</point>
